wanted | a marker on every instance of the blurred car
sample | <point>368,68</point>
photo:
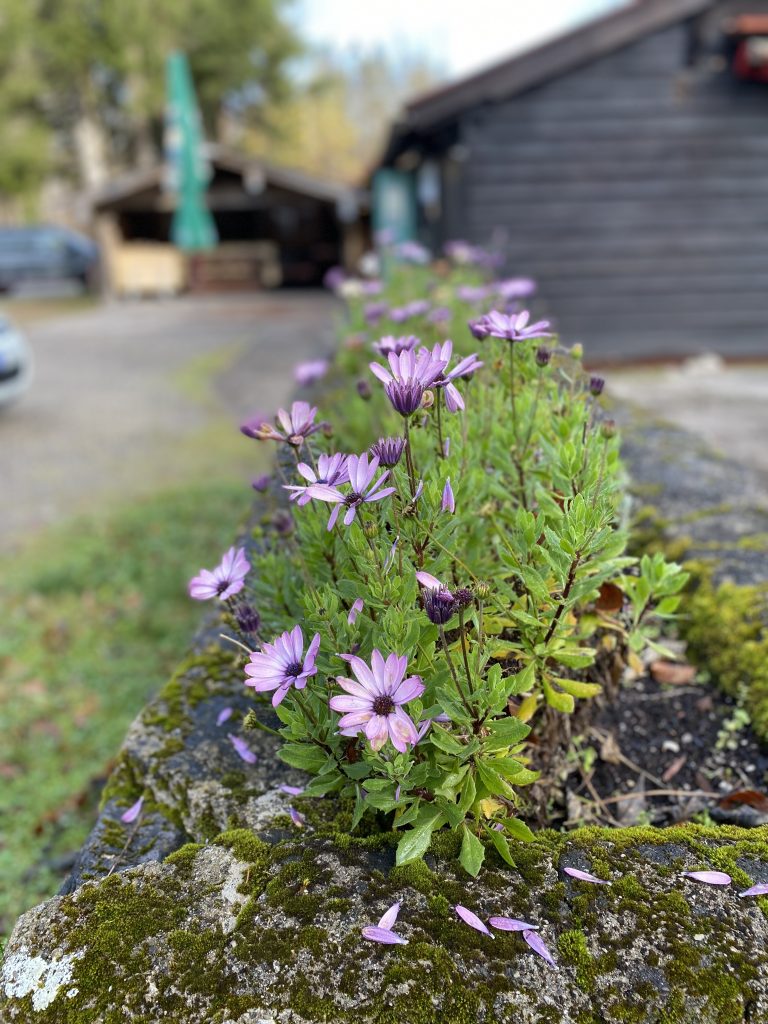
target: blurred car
<point>43,253</point>
<point>15,362</point>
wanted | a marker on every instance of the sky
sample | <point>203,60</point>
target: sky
<point>462,36</point>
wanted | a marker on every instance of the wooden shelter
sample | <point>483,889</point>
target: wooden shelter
<point>276,226</point>
<point>623,165</point>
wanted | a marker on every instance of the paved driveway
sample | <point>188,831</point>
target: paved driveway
<point>122,394</point>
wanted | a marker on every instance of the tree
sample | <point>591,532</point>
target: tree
<point>335,124</point>
<point>98,68</point>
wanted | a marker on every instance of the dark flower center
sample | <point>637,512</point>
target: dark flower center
<point>353,498</point>
<point>221,586</point>
<point>294,669</point>
<point>383,705</point>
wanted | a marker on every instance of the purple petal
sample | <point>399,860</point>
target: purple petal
<point>224,714</point>
<point>384,935</point>
<point>709,877</point>
<point>761,889</point>
<point>133,812</point>
<point>390,917</point>
<point>242,748</point>
<point>354,611</point>
<point>585,876</point>
<point>296,818</point>
<point>538,945</point>
<point>292,790</point>
<point>426,579</point>
<point>511,924</point>
<point>471,919</point>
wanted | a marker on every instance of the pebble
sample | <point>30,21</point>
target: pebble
<point>670,747</point>
<point>686,738</point>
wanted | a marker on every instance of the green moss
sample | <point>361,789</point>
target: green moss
<point>448,971</point>
<point>725,628</point>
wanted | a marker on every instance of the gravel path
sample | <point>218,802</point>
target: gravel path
<point>121,393</point>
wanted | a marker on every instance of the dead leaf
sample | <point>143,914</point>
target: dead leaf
<point>750,797</point>
<point>610,752</point>
<point>674,768</point>
<point>611,599</point>
<point>673,673</point>
<point>631,811</point>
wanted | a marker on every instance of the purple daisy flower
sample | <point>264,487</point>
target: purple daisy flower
<point>440,315</point>
<point>478,328</point>
<point>389,343</point>
<point>282,664</point>
<point>463,369</point>
<point>363,490</point>
<point>515,327</point>
<point>439,601</point>
<point>388,450</point>
<point>374,311</point>
<point>297,425</point>
<point>331,470</point>
<point>409,378</point>
<point>515,288</point>
<point>412,252</point>
<point>472,293</point>
<point>310,372</point>
<point>224,581</point>
<point>374,703</point>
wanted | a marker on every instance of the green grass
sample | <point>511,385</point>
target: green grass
<point>94,617</point>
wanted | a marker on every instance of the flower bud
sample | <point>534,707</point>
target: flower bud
<point>482,590</point>
<point>261,483</point>
<point>327,429</point>
<point>247,618</point>
<point>577,350</point>
<point>371,529</point>
<point>608,429</point>
<point>250,721</point>
<point>427,399</point>
<point>543,356</point>
<point>463,598</point>
<point>439,604</point>
<point>364,389</point>
<point>282,522</point>
<point>596,385</point>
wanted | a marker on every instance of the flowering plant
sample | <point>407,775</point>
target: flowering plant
<point>471,582</point>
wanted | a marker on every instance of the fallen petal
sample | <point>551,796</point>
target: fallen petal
<point>384,935</point>
<point>390,917</point>
<point>296,818</point>
<point>585,876</point>
<point>761,889</point>
<point>242,748</point>
<point>133,812</point>
<point>538,945</point>
<point>709,877</point>
<point>471,919</point>
<point>292,790</point>
<point>511,924</point>
<point>224,714</point>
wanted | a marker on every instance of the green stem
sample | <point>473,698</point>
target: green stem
<point>409,457</point>
<point>454,675</point>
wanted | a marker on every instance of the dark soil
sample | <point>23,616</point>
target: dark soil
<point>660,754</point>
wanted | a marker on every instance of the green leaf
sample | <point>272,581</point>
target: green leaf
<point>303,755</point>
<point>559,701</point>
<point>575,658</point>
<point>576,688</point>
<point>468,793</point>
<point>444,741</point>
<point>502,846</point>
<point>415,842</point>
<point>359,810</point>
<point>453,813</point>
<point>472,853</point>
<point>505,733</point>
<point>491,780</point>
<point>523,681</point>
<point>518,829</point>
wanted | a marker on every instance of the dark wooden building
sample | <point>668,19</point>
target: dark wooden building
<point>276,226</point>
<point>624,166</point>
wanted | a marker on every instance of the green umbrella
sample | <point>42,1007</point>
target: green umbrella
<point>192,227</point>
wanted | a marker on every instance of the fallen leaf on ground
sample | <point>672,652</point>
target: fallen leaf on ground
<point>674,768</point>
<point>750,797</point>
<point>673,673</point>
<point>610,751</point>
<point>611,598</point>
